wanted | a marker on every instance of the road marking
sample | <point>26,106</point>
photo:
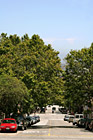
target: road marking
<point>37,133</point>
<point>49,128</point>
<point>48,134</point>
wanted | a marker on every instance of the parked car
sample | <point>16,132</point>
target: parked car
<point>77,118</point>
<point>37,118</point>
<point>71,117</point>
<point>31,120</point>
<point>43,110</point>
<point>81,122</point>
<point>8,124</point>
<point>63,110</point>
<point>66,117</point>
<point>89,124</point>
<point>22,123</point>
<point>53,109</point>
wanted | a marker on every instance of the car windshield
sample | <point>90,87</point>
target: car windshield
<point>8,121</point>
<point>81,116</point>
<point>53,108</point>
<point>29,118</point>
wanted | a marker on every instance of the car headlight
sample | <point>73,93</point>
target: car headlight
<point>12,126</point>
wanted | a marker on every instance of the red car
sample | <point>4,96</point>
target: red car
<point>8,124</point>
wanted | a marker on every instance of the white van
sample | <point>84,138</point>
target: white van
<point>77,118</point>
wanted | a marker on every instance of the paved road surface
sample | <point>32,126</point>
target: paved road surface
<point>51,127</point>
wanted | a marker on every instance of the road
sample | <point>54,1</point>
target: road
<point>51,127</point>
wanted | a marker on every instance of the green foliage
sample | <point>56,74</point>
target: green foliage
<point>79,78</point>
<point>34,63</point>
<point>13,92</point>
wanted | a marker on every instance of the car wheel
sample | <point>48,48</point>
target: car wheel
<point>23,128</point>
<point>28,124</point>
<point>92,129</point>
<point>86,126</point>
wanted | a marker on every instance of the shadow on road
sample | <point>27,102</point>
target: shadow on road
<point>51,127</point>
<point>48,126</point>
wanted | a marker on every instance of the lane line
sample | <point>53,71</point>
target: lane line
<point>49,128</point>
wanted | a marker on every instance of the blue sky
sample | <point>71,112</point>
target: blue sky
<point>65,24</point>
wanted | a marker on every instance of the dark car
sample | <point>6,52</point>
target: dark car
<point>81,122</point>
<point>63,110</point>
<point>37,118</point>
<point>43,110</point>
<point>88,124</point>
<point>22,123</point>
<point>91,125</point>
<point>31,120</point>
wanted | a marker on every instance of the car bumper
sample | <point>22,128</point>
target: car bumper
<point>8,129</point>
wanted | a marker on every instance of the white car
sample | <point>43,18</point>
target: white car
<point>77,118</point>
<point>66,118</point>
<point>71,117</point>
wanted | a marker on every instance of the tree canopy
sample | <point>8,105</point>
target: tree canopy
<point>13,93</point>
<point>35,64</point>
<point>79,78</point>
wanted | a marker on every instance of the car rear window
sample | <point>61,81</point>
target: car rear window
<point>77,116</point>
<point>81,116</point>
<point>71,116</point>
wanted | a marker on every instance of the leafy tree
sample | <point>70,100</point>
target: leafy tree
<point>34,63</point>
<point>78,78</point>
<point>13,93</point>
